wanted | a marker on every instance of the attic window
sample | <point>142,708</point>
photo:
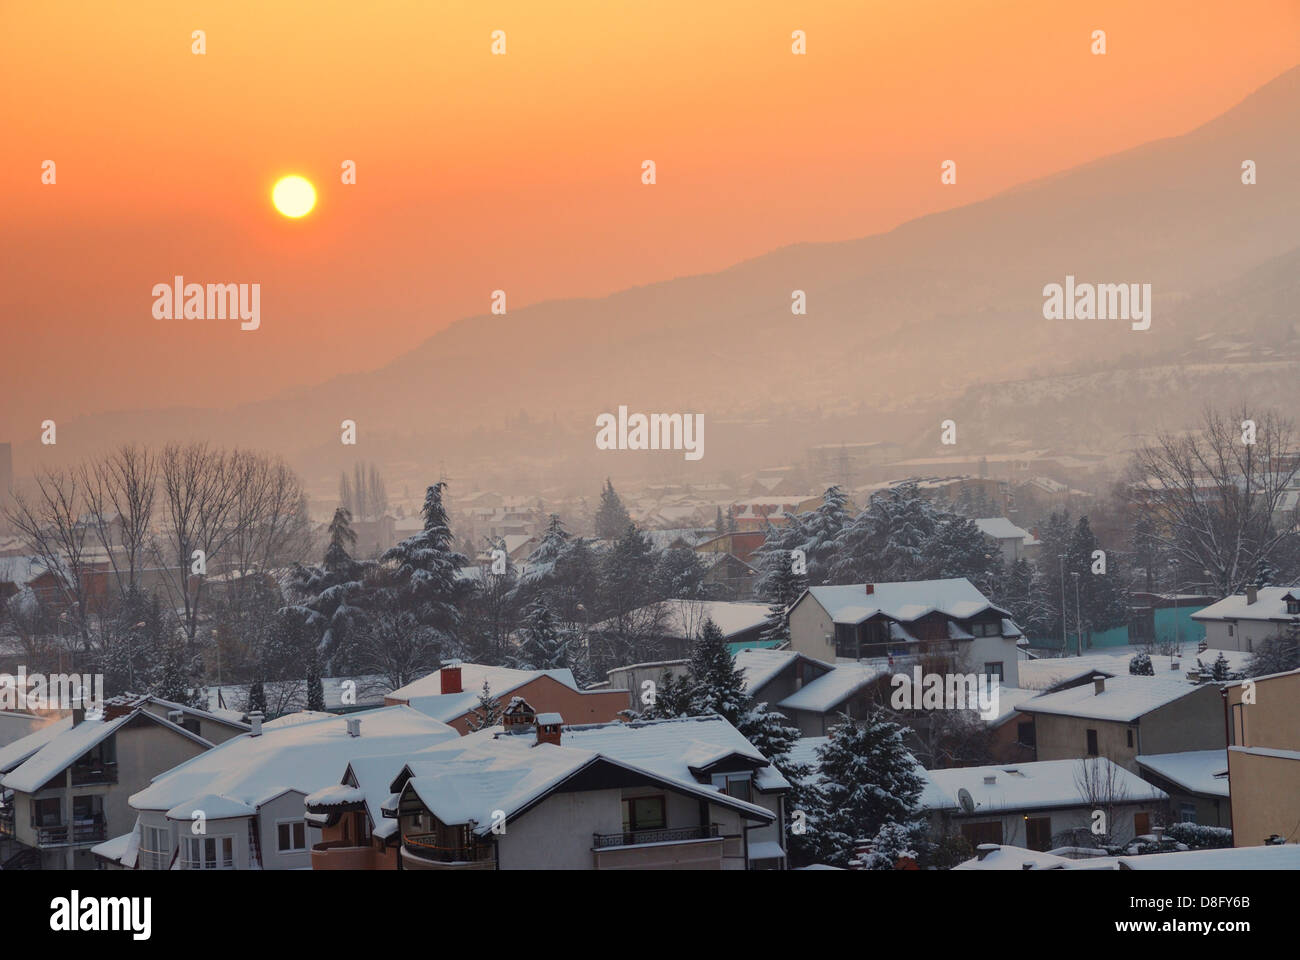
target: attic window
<point>1292,605</point>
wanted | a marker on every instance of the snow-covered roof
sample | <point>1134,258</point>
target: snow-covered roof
<point>759,667</point>
<point>210,806</point>
<point>1044,672</point>
<point>550,718</point>
<point>304,757</point>
<point>904,601</point>
<point>1000,528</point>
<point>12,754</point>
<point>1004,857</point>
<point>684,618</point>
<point>292,719</point>
<point>1269,605</point>
<point>466,780</point>
<point>336,795</point>
<point>124,849</point>
<point>1008,699</point>
<point>831,689</point>
<point>426,693</point>
<point>1196,771</point>
<point>1279,857</point>
<point>59,752</point>
<point>1123,698</point>
<point>1029,786</point>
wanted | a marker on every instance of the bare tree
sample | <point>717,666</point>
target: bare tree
<point>54,530</point>
<point>120,489</point>
<point>1101,785</point>
<point>1214,493</point>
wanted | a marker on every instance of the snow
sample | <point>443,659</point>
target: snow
<point>759,667</point>
<point>467,780</point>
<point>300,716</point>
<point>426,693</point>
<point>765,850</point>
<point>1014,858</point>
<point>1000,528</point>
<point>1282,857</point>
<point>124,849</point>
<point>548,719</point>
<point>1268,752</point>
<point>11,755</point>
<point>337,795</point>
<point>1270,604</point>
<point>831,689</point>
<point>1046,672</point>
<point>304,757</point>
<point>1196,771</point>
<point>1008,699</point>
<point>59,752</point>
<point>210,806</point>
<point>1027,786</point>
<point>684,618</point>
<point>905,601</point>
<point>363,692</point>
<point>1124,699</point>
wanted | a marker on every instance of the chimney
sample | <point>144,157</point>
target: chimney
<point>120,707</point>
<point>1098,686</point>
<point>255,721</point>
<point>1252,594</point>
<point>450,674</point>
<point>871,588</point>
<point>353,725</point>
<point>548,728</point>
<point>78,712</point>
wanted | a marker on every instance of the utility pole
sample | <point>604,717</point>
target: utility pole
<point>1061,557</point>
<point>1078,616</point>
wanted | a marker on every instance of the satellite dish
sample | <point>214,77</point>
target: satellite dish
<point>966,800</point>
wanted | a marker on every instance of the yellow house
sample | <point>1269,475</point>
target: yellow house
<point>1263,722</point>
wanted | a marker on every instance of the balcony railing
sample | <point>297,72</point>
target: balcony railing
<point>426,846</point>
<point>6,821</point>
<point>675,835</point>
<point>83,774</point>
<point>88,831</point>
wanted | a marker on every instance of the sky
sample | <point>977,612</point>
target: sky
<point>520,172</point>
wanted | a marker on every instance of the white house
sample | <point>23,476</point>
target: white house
<point>1241,621</point>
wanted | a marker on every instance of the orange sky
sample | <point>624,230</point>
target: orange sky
<point>520,172</point>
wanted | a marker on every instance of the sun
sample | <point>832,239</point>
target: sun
<point>294,196</point>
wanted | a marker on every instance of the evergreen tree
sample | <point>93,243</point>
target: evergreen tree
<point>315,687</point>
<point>257,698</point>
<point>1101,599</point>
<point>612,518</point>
<point>1140,665</point>
<point>1220,671</point>
<point>331,597</point>
<point>678,575</point>
<point>719,524</point>
<point>868,778</point>
<point>540,567</point>
<point>822,529</point>
<point>780,582</point>
<point>718,687</point>
<point>673,697</point>
<point>1277,654</point>
<point>487,713</point>
<point>892,842</point>
<point>541,647</point>
<point>626,577</point>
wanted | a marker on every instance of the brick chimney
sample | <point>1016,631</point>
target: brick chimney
<point>1098,686</point>
<point>450,675</point>
<point>1252,594</point>
<point>870,588</point>
<point>119,707</point>
<point>548,728</point>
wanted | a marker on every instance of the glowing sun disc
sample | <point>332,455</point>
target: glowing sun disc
<point>294,196</point>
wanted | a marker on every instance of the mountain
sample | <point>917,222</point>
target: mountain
<point>945,308</point>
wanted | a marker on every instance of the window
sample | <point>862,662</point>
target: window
<point>1038,833</point>
<point>991,629</point>
<point>1141,824</point>
<point>201,853</point>
<point>47,812</point>
<point>1293,607</point>
<point>1187,812</point>
<point>643,813</point>
<point>1025,734</point>
<point>1129,731</point>
<point>292,836</point>
<point>734,785</point>
<point>87,808</point>
<point>1092,743</point>
<point>977,833</point>
<point>1229,629</point>
<point>846,640</point>
<point>994,669</point>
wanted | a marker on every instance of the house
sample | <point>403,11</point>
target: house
<point>1125,717</point>
<point>249,792</point>
<point>727,577</point>
<point>1040,806</point>
<point>452,693</point>
<point>1241,621</point>
<point>1012,739</point>
<point>1264,757</point>
<point>883,621</point>
<point>1197,784</point>
<point>740,544</point>
<point>66,786</point>
<point>690,793</point>
<point>1006,536</point>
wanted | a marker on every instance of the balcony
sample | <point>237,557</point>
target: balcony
<point>6,821</point>
<point>82,831</point>
<point>422,852</point>
<point>675,835</point>
<point>347,855</point>
<point>88,773</point>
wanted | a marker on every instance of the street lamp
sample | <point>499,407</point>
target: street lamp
<point>1078,616</point>
<point>1061,557</point>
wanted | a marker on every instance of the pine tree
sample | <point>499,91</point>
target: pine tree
<point>1220,671</point>
<point>892,842</point>
<point>673,697</point>
<point>541,647</point>
<point>718,688</point>
<point>487,713</point>
<point>612,517</point>
<point>1140,665</point>
<point>719,524</point>
<point>781,582</point>
<point>868,778</point>
<point>822,529</point>
<point>315,687</point>
<point>1101,599</point>
<point>257,698</point>
<point>678,575</point>
<point>331,598</point>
